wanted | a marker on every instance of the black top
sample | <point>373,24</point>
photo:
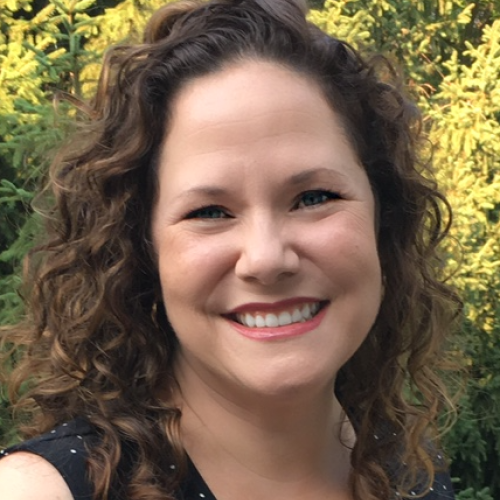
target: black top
<point>65,448</point>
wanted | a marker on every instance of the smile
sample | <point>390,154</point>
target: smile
<point>289,316</point>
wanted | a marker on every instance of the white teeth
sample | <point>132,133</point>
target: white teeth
<point>249,320</point>
<point>285,318</point>
<point>296,316</point>
<point>260,322</point>
<point>270,320</point>
<point>306,311</point>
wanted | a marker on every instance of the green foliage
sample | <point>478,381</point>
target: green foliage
<point>40,53</point>
<point>464,115</point>
<point>471,494</point>
<point>450,52</point>
<point>418,36</point>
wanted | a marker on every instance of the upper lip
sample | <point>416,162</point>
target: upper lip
<point>273,306</point>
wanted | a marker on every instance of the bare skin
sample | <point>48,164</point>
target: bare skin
<point>281,450</point>
<point>25,476</point>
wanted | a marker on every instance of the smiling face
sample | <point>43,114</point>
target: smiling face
<point>264,233</point>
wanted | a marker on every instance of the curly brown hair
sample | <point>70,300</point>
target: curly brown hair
<point>97,341</point>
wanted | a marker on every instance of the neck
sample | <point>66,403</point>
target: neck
<point>266,440</point>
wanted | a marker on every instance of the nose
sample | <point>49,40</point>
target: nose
<point>267,254</point>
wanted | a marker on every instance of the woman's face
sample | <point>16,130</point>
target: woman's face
<point>264,234</point>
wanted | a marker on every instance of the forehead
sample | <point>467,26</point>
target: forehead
<point>259,76</point>
<point>250,100</point>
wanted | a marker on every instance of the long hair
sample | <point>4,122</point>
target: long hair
<point>97,342</point>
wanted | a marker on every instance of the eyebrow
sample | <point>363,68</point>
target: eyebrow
<point>296,179</point>
<point>210,191</point>
<point>311,173</point>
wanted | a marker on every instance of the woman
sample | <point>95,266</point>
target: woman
<point>238,298</point>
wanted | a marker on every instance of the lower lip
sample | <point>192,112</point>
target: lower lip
<point>280,332</point>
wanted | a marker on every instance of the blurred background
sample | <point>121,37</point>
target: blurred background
<point>448,52</point>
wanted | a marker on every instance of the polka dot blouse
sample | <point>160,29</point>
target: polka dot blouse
<point>66,446</point>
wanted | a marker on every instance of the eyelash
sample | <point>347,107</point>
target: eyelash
<point>197,214</point>
<point>209,210</point>
<point>324,194</point>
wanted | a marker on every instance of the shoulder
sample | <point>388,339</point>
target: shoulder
<point>438,486</point>
<point>53,465</point>
<point>24,476</point>
<point>442,487</point>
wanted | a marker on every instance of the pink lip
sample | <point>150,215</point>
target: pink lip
<point>280,332</point>
<point>272,306</point>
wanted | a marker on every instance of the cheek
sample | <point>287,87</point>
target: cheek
<point>190,267</point>
<point>351,241</point>
<point>347,255</point>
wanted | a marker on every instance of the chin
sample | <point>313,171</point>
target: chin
<point>290,385</point>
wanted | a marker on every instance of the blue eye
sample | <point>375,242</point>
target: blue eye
<point>210,212</point>
<point>315,197</point>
